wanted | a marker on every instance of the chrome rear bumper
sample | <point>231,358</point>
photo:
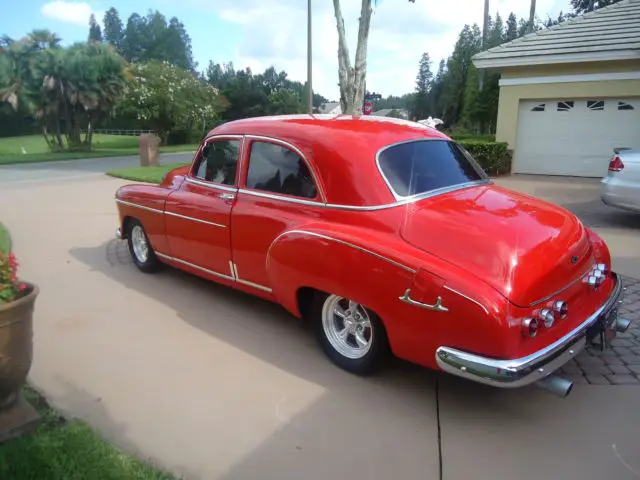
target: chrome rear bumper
<point>526,370</point>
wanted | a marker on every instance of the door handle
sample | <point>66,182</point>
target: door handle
<point>437,306</point>
<point>227,196</point>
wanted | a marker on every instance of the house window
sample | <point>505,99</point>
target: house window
<point>277,169</point>
<point>565,106</point>
<point>625,106</point>
<point>595,105</point>
<point>538,108</point>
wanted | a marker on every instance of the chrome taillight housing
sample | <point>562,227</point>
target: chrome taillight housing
<point>561,307</point>
<point>547,317</point>
<point>530,327</point>
<point>597,275</point>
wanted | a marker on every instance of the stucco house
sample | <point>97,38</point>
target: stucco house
<point>571,93</point>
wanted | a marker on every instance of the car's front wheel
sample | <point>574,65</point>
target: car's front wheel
<point>140,247</point>
<point>350,334</point>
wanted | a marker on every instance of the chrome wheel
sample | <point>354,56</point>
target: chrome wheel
<point>139,244</point>
<point>347,327</point>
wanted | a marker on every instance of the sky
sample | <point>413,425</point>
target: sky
<point>261,33</point>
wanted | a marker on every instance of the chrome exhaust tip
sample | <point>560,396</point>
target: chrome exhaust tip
<point>118,234</point>
<point>622,324</point>
<point>557,385</point>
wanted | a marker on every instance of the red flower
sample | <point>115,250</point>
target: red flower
<point>22,287</point>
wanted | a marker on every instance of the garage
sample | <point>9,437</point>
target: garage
<point>574,136</point>
<point>570,93</point>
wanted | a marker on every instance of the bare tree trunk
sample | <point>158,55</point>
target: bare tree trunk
<point>532,15</point>
<point>485,25</point>
<point>352,79</point>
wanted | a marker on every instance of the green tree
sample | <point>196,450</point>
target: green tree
<point>423,87</point>
<point>512,28</point>
<point>394,114</point>
<point>169,98</point>
<point>497,33</point>
<point>284,101</point>
<point>95,32</point>
<point>584,6</point>
<point>113,28</point>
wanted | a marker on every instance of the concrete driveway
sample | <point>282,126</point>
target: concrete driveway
<point>214,384</point>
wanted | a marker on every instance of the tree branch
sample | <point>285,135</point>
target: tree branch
<point>344,62</point>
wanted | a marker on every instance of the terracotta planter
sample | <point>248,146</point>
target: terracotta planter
<point>16,345</point>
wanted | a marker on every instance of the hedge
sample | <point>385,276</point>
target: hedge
<point>5,240</point>
<point>493,157</point>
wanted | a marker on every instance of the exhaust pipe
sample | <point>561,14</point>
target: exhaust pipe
<point>557,385</point>
<point>622,324</point>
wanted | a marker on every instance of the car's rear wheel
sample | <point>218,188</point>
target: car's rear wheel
<point>350,334</point>
<point>140,247</point>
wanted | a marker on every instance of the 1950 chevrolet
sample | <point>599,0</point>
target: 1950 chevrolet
<point>390,238</point>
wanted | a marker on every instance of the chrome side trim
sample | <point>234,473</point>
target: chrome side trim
<point>300,201</point>
<point>302,156</point>
<point>233,272</point>
<point>525,370</point>
<point>468,298</point>
<point>215,186</point>
<point>206,270</point>
<point>246,282</point>
<point>138,206</point>
<point>195,219</point>
<point>319,235</point>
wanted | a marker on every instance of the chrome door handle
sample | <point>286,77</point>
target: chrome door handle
<point>227,196</point>
<point>437,307</point>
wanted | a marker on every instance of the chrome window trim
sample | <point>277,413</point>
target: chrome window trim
<point>260,193</point>
<point>286,144</point>
<point>206,270</point>
<point>522,371</point>
<point>139,206</point>
<point>434,192</point>
<point>326,237</point>
<point>185,217</point>
<point>216,186</point>
<point>468,298</point>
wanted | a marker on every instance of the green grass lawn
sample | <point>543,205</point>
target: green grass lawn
<point>61,449</point>
<point>151,174</point>
<point>103,146</point>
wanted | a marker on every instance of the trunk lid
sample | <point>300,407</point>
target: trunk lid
<point>525,248</point>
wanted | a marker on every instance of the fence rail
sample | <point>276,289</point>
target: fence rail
<point>133,133</point>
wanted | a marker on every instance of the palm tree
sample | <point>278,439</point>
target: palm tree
<point>532,15</point>
<point>44,38</point>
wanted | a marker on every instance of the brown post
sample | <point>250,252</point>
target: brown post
<point>144,150</point>
<point>149,149</point>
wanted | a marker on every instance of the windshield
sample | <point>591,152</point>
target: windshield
<point>422,166</point>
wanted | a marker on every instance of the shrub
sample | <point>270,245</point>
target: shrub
<point>493,157</point>
<point>472,137</point>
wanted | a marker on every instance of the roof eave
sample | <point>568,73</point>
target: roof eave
<point>531,60</point>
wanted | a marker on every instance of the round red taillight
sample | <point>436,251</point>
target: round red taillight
<point>530,327</point>
<point>616,164</point>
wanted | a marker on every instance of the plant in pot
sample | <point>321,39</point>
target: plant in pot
<point>17,300</point>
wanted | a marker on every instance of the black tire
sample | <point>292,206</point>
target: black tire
<point>150,264</point>
<point>378,351</point>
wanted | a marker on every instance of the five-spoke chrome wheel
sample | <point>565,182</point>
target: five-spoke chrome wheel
<point>139,244</point>
<point>347,326</point>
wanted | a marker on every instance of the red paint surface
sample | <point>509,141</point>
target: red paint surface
<point>502,249</point>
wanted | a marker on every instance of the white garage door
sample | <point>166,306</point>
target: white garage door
<point>574,136</point>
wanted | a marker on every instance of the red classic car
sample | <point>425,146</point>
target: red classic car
<point>389,237</point>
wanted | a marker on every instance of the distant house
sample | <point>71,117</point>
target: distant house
<point>404,113</point>
<point>570,94</point>
<point>330,108</point>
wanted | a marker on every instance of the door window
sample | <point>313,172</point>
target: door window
<point>218,162</point>
<point>277,169</point>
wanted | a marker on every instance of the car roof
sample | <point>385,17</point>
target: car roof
<point>343,149</point>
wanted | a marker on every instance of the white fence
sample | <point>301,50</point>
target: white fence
<point>132,133</point>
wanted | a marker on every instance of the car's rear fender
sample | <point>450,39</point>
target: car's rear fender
<point>323,260</point>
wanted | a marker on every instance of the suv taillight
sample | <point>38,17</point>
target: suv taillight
<point>616,165</point>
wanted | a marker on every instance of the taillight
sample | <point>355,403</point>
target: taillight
<point>616,164</point>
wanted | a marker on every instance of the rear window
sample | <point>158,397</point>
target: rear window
<point>422,166</point>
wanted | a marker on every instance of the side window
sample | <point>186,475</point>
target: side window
<point>277,169</point>
<point>218,162</point>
